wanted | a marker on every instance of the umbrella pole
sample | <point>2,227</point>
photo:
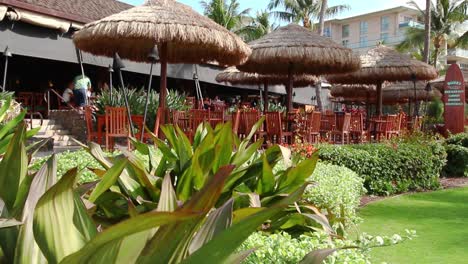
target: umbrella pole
<point>5,74</point>
<point>163,82</point>
<point>80,61</point>
<point>289,89</point>
<point>147,100</point>
<point>111,85</point>
<point>379,99</point>
<point>129,115</point>
<point>416,110</point>
<point>265,97</point>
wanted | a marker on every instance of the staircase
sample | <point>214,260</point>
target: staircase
<point>61,140</point>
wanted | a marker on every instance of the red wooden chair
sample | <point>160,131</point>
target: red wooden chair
<point>117,126</point>
<point>216,117</point>
<point>196,117</point>
<point>327,122</point>
<point>341,129</point>
<point>395,127</point>
<point>236,122</point>
<point>312,128</point>
<point>274,129</point>
<point>92,134</point>
<point>357,131</point>
<point>249,119</point>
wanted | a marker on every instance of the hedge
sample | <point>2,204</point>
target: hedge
<point>391,168</point>
<point>457,156</point>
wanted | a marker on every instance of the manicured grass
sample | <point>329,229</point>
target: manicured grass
<point>439,218</point>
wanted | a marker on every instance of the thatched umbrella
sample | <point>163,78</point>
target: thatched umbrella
<point>292,50</point>
<point>233,76</point>
<point>382,64</point>
<point>181,35</point>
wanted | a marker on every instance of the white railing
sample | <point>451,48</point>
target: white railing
<point>458,52</point>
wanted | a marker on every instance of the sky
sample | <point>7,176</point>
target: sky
<point>357,6</point>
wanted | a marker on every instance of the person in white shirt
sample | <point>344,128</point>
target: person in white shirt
<point>68,94</point>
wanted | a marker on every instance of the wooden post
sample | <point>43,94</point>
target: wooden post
<point>379,111</point>
<point>265,97</point>
<point>163,83</point>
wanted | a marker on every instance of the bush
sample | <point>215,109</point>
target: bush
<point>457,156</point>
<point>282,248</point>
<point>338,190</point>
<point>459,140</point>
<point>391,168</point>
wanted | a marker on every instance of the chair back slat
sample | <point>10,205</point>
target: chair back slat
<point>236,121</point>
<point>197,117</point>
<point>273,123</point>
<point>116,121</point>
<point>327,122</point>
<point>357,123</point>
<point>314,122</point>
<point>216,117</point>
<point>249,119</point>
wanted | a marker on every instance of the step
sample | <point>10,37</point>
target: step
<point>59,149</point>
<point>51,127</point>
<point>63,143</point>
<point>51,133</point>
<point>37,122</point>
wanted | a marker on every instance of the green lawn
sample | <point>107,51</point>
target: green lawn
<point>440,219</point>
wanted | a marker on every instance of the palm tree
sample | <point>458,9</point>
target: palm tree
<point>427,31</point>
<point>446,15</point>
<point>305,11</point>
<point>323,9</point>
<point>257,27</point>
<point>225,14</point>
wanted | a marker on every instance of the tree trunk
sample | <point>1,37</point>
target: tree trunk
<point>307,23</point>
<point>427,29</point>
<point>323,9</point>
<point>436,56</point>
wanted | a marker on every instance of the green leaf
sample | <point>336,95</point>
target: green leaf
<point>13,167</point>
<point>223,147</point>
<point>27,250</point>
<point>216,222</point>
<point>238,258</point>
<point>109,179</point>
<point>54,216</point>
<point>129,227</point>
<point>168,198</point>
<point>170,243</point>
<point>318,256</point>
<point>266,182</point>
<point>6,129</point>
<point>298,175</point>
<point>232,238</point>
<point>9,222</point>
<point>6,105</point>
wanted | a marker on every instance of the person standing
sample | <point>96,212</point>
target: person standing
<point>68,94</point>
<point>81,85</point>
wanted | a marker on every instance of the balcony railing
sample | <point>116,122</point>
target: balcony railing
<point>392,41</point>
<point>458,53</point>
<point>411,24</point>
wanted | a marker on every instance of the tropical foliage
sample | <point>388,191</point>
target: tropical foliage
<point>227,14</point>
<point>446,15</point>
<point>304,11</point>
<point>257,27</point>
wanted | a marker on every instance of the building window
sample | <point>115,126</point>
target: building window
<point>345,42</point>
<point>384,23</point>
<point>345,31</point>
<point>364,27</point>
<point>327,32</point>
<point>408,19</point>
<point>363,42</point>
<point>384,37</point>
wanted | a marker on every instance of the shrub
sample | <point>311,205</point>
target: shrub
<point>282,248</point>
<point>459,139</point>
<point>338,190</point>
<point>457,155</point>
<point>391,168</point>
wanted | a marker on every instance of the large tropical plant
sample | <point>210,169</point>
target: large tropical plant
<point>227,14</point>
<point>304,11</point>
<point>47,220</point>
<point>446,16</point>
<point>259,26</point>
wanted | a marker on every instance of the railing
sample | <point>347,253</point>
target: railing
<point>372,43</point>
<point>59,97</point>
<point>458,52</point>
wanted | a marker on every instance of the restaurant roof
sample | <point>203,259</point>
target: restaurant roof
<point>83,11</point>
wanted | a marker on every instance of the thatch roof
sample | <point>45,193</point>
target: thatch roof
<point>393,93</point>
<point>190,37</point>
<point>234,76</point>
<point>304,50</point>
<point>382,64</point>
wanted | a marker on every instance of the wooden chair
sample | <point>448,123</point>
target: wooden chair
<point>312,127</point>
<point>341,129</point>
<point>180,118</point>
<point>216,117</point>
<point>117,126</point>
<point>274,129</point>
<point>395,127</point>
<point>40,103</point>
<point>357,130</point>
<point>92,134</point>
<point>236,122</point>
<point>196,117</point>
<point>327,123</point>
<point>218,106</point>
<point>249,119</point>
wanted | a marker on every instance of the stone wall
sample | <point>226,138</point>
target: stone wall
<point>71,120</point>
